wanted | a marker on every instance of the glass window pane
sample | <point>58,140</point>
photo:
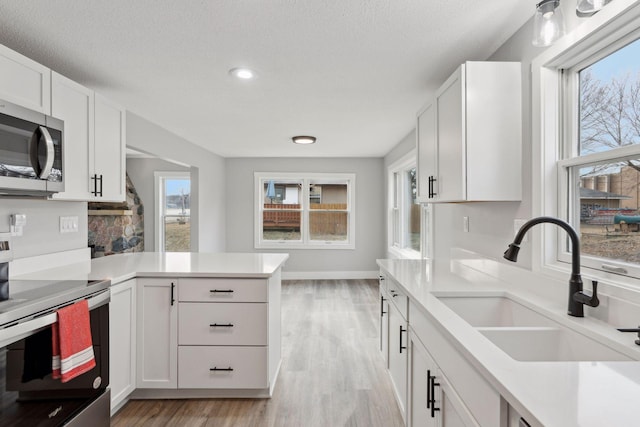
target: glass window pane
<point>281,224</point>
<point>282,192</point>
<point>414,211</point>
<point>609,210</point>
<point>610,101</point>
<point>325,225</point>
<point>328,196</point>
<point>177,211</point>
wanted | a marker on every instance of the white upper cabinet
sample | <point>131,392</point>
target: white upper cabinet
<point>470,136</point>
<point>108,151</point>
<point>94,135</point>
<point>24,82</point>
<point>74,104</point>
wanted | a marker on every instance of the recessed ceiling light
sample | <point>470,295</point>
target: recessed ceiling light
<point>301,139</point>
<point>242,73</point>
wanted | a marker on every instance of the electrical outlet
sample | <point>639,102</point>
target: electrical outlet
<point>517,224</point>
<point>465,224</point>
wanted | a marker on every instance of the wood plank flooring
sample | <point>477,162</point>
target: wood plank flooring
<point>332,373</point>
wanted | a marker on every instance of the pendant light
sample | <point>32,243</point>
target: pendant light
<point>548,23</point>
<point>586,8</point>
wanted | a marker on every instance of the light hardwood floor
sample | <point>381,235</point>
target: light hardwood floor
<point>332,373</point>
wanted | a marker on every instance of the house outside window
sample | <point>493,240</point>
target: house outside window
<point>405,213</point>
<point>590,122</point>
<point>304,211</point>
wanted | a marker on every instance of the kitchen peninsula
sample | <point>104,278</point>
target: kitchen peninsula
<point>188,325</point>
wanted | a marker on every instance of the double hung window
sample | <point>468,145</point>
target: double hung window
<point>405,221</point>
<point>313,211</point>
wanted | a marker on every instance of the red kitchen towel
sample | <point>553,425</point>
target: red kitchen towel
<point>72,347</point>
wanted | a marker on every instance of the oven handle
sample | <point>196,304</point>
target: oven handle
<point>21,330</point>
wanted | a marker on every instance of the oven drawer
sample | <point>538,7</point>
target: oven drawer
<point>222,367</point>
<point>223,290</point>
<point>222,324</point>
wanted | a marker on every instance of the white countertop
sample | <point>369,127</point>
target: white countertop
<point>121,267</point>
<point>563,394</point>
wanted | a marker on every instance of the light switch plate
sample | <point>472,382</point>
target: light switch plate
<point>68,224</point>
<point>465,224</point>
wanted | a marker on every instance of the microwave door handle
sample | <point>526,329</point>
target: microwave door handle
<point>41,172</point>
<point>50,153</point>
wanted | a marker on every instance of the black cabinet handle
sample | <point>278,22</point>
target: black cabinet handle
<point>401,331</point>
<point>100,185</point>
<point>432,193</point>
<point>173,286</point>
<point>433,396</point>
<point>221,325</point>
<point>229,369</point>
<point>221,291</point>
<point>382,312</point>
<point>381,278</point>
<point>94,178</point>
<point>428,388</point>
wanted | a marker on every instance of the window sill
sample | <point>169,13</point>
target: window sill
<point>398,253</point>
<point>302,246</point>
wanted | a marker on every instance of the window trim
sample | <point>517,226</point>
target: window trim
<point>306,242</point>
<point>403,164</point>
<point>611,28</point>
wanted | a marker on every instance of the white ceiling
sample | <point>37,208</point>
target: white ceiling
<point>353,73</point>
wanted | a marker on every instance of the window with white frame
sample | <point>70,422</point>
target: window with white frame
<point>312,211</point>
<point>173,211</point>
<point>405,212</point>
<point>594,131</point>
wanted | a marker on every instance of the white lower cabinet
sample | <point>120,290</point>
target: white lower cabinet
<point>384,323</point>
<point>398,355</point>
<point>433,401</point>
<point>157,329</point>
<point>208,333</point>
<point>122,342</point>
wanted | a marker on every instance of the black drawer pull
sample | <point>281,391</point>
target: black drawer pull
<point>221,325</point>
<point>402,347</point>
<point>221,291</point>
<point>229,369</point>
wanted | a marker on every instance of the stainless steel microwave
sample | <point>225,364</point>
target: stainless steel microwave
<point>31,152</point>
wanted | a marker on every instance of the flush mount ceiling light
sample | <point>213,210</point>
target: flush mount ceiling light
<point>303,140</point>
<point>242,73</point>
<point>548,25</point>
<point>586,8</point>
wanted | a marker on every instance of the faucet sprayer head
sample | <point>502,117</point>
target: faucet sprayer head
<point>511,253</point>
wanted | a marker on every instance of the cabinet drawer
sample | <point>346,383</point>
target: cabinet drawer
<point>223,290</point>
<point>398,298</point>
<point>237,367</point>
<point>222,323</point>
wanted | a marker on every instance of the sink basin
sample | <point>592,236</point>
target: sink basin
<point>492,311</point>
<point>525,334</point>
<point>549,344</point>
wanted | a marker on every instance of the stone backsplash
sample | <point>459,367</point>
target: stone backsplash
<point>117,233</point>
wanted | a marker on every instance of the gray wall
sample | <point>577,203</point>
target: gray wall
<point>141,171</point>
<point>370,236</point>
<point>42,234</point>
<point>208,199</point>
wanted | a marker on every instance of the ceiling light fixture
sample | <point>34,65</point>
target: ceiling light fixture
<point>242,73</point>
<point>548,23</point>
<point>303,140</point>
<point>587,8</point>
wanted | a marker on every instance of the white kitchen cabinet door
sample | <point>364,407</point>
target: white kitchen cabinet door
<point>74,104</point>
<point>122,342</point>
<point>421,366</point>
<point>451,176</point>
<point>470,137</point>
<point>24,82</point>
<point>107,157</point>
<point>384,326</point>
<point>398,356</point>
<point>427,153</point>
<point>157,321</point>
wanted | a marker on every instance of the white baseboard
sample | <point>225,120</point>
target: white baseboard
<point>32,264</point>
<point>329,275</point>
